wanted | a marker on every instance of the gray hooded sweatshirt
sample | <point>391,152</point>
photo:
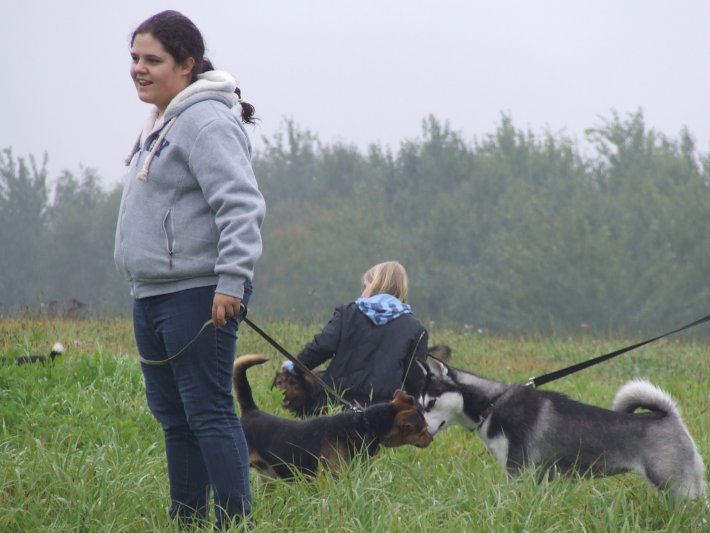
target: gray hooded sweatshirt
<point>191,210</point>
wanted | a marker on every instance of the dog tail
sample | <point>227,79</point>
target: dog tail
<point>684,473</point>
<point>240,382</point>
<point>641,394</point>
<point>57,349</point>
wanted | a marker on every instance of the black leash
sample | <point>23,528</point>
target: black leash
<point>299,364</point>
<point>552,376</point>
<point>411,358</point>
<point>268,339</point>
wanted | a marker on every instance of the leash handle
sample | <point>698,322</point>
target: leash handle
<point>552,376</point>
<point>298,363</point>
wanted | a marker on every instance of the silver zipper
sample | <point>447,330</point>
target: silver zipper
<point>168,244</point>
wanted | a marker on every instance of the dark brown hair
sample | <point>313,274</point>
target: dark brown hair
<point>182,40</point>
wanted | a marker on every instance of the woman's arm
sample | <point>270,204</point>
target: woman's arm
<point>324,344</point>
<point>220,160</point>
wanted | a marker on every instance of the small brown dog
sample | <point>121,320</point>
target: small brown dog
<point>300,388</point>
<point>278,447</point>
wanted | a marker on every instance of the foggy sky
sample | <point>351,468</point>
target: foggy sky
<point>361,71</point>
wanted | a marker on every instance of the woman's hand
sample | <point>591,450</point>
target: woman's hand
<point>224,307</point>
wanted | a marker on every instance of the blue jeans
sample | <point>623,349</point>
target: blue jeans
<point>191,397</point>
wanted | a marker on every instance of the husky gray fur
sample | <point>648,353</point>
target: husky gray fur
<point>524,427</point>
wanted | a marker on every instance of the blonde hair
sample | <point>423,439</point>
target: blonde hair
<point>389,277</point>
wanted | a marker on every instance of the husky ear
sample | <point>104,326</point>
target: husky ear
<point>423,366</point>
<point>436,367</point>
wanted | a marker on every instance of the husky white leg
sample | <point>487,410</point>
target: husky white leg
<point>498,446</point>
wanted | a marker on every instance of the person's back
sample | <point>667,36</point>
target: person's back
<point>372,342</point>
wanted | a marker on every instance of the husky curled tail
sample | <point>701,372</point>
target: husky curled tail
<point>680,467</point>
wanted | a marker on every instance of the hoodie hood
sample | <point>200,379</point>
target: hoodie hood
<point>213,85</point>
<point>382,308</point>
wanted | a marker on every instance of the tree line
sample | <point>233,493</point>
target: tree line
<point>513,232</point>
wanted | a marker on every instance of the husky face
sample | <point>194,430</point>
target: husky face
<point>442,399</point>
<point>442,411</point>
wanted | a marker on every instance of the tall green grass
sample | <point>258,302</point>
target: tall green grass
<point>79,450</point>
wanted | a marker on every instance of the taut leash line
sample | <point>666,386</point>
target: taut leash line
<point>267,338</point>
<point>411,359</point>
<point>299,364</point>
<point>552,376</point>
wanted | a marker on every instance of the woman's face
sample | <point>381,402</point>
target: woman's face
<point>156,75</point>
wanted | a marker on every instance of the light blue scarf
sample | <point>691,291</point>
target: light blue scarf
<point>382,308</point>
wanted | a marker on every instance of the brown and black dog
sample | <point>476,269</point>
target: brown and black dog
<point>299,389</point>
<point>278,447</point>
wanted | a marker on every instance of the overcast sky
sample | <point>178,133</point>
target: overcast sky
<point>360,71</point>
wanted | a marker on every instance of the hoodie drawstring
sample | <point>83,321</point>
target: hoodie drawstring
<point>143,174</point>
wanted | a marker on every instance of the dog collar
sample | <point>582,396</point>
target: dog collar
<point>369,433</point>
<point>485,413</point>
<point>487,410</point>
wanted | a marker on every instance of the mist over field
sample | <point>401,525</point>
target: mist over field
<point>517,232</point>
<point>537,167</point>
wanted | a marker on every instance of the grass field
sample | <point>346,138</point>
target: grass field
<point>79,450</point>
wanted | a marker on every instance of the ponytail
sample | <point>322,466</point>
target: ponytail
<point>247,109</point>
<point>247,114</point>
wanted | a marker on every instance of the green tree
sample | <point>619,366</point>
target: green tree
<point>79,244</point>
<point>23,203</point>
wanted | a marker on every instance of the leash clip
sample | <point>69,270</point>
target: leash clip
<point>355,406</point>
<point>530,383</point>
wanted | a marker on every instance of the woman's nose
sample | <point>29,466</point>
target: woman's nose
<point>138,66</point>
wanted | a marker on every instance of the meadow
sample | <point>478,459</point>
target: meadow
<point>79,450</point>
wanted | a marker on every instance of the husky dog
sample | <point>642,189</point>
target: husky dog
<point>524,427</point>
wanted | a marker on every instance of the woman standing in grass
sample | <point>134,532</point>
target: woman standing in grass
<point>187,239</point>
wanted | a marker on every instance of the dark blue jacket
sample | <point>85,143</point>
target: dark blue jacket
<point>369,362</point>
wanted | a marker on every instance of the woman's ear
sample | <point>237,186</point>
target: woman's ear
<point>187,66</point>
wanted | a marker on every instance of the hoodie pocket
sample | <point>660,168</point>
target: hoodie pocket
<point>169,230</point>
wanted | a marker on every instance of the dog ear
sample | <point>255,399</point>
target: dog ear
<point>402,398</point>
<point>409,422</point>
<point>310,385</point>
<point>436,367</point>
<point>442,352</point>
<point>423,366</point>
